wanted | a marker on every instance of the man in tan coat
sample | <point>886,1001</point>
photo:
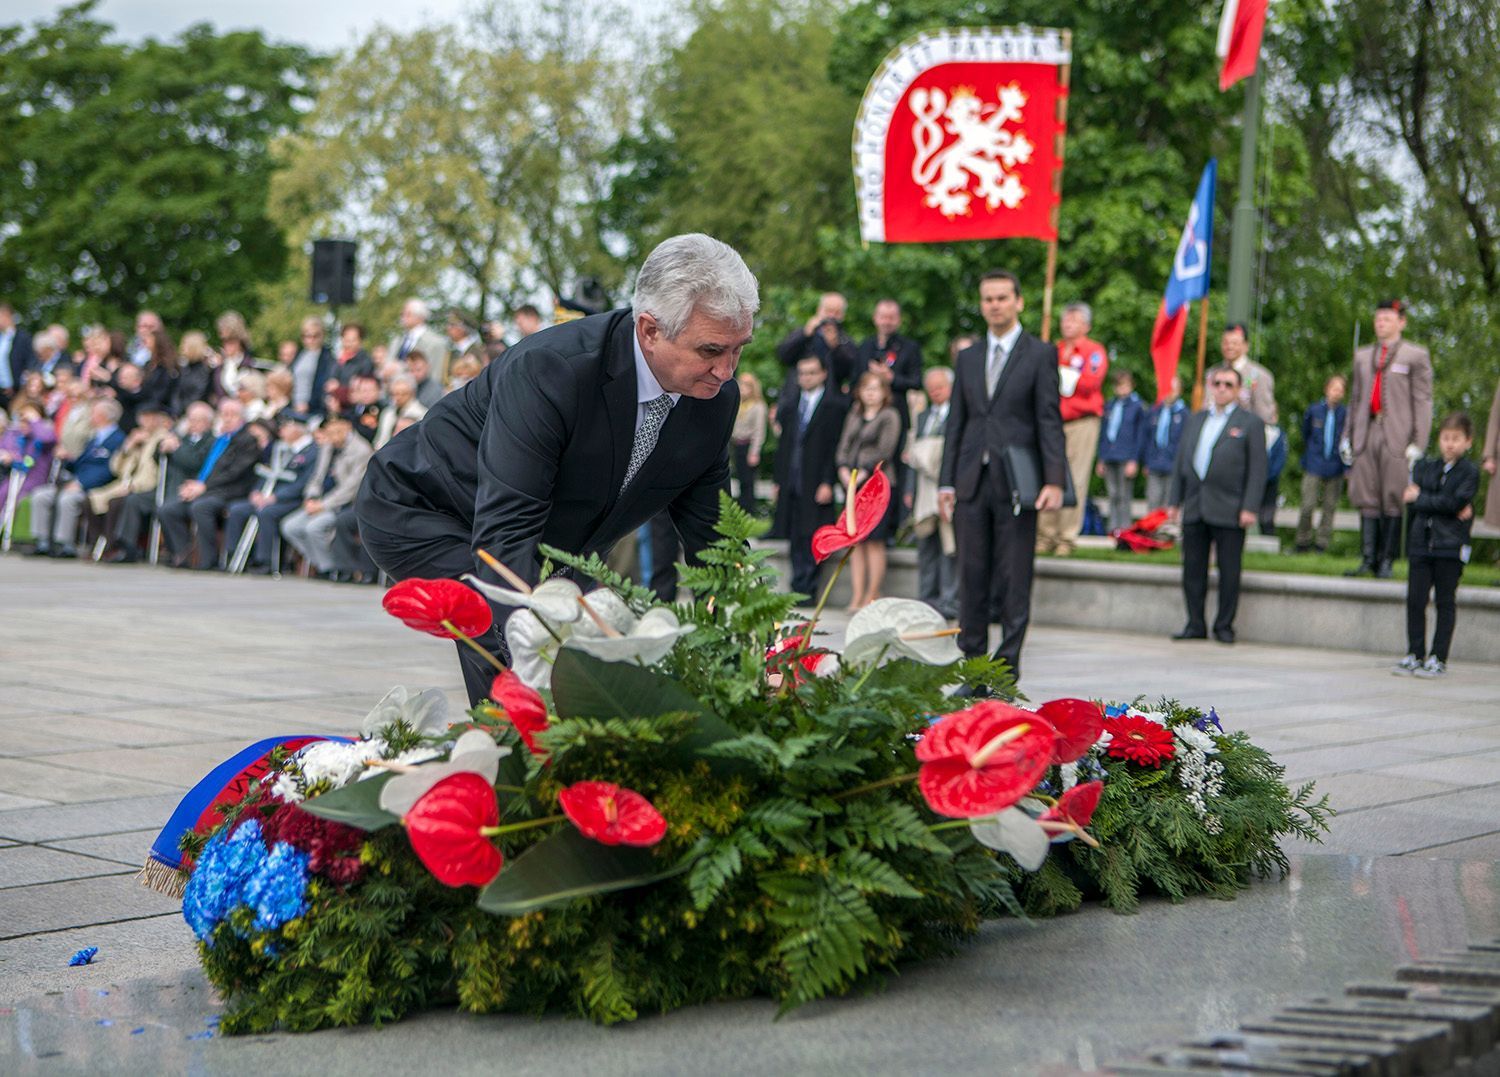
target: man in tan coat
<point>1390,418</point>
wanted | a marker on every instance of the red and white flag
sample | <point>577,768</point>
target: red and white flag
<point>1240,30</point>
<point>958,137</point>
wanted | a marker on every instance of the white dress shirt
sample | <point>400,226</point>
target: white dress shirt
<point>647,388</point>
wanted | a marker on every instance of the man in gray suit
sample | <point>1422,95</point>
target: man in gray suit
<point>1217,482</point>
<point>417,336</point>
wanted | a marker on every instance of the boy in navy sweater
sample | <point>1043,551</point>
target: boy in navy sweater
<point>1122,444</point>
<point>1440,514</point>
<point>1322,466</point>
<point>1163,432</point>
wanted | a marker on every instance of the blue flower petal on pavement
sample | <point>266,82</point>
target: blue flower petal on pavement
<point>84,956</point>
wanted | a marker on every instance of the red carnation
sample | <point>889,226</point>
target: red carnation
<point>442,608</point>
<point>1078,723</point>
<point>446,827</point>
<point>332,848</point>
<point>858,519</point>
<point>982,760</point>
<point>524,707</point>
<point>612,815</point>
<point>1139,740</point>
<point>1076,805</point>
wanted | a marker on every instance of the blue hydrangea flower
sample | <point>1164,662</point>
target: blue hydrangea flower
<point>215,885</point>
<point>278,889</point>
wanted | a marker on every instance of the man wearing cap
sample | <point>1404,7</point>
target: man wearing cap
<point>280,493</point>
<point>135,466</point>
<point>1390,418</point>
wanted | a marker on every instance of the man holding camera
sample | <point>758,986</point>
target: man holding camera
<point>823,337</point>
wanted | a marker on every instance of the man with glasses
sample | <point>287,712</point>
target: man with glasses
<point>311,370</point>
<point>1218,480</point>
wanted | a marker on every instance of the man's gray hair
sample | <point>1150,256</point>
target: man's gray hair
<point>46,341</point>
<point>1082,309</point>
<point>946,372</point>
<point>113,408</point>
<point>406,380</point>
<point>694,272</point>
<point>420,308</point>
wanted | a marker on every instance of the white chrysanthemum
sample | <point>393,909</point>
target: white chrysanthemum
<point>646,642</point>
<point>884,630</point>
<point>335,763</point>
<point>555,599</point>
<point>425,712</point>
<point>285,788</point>
<point>475,751</point>
<point>1195,738</point>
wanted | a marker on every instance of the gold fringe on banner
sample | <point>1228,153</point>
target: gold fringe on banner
<point>163,878</point>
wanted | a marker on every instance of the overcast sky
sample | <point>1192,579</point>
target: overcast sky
<point>323,24</point>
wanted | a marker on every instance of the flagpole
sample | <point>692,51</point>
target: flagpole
<point>1202,351</point>
<point>1064,73</point>
<point>1242,241</point>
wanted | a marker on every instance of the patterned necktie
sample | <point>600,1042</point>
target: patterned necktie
<point>645,437</point>
<point>992,370</point>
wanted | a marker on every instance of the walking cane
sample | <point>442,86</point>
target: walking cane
<point>12,500</point>
<point>272,476</point>
<point>154,540</point>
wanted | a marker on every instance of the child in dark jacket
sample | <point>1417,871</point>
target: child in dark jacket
<point>1122,444</point>
<point>1441,497</point>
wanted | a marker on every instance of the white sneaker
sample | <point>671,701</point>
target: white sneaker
<point>1431,668</point>
<point>1407,666</point>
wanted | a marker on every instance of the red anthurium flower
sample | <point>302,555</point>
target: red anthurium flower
<point>426,604</point>
<point>1139,740</point>
<point>523,705</point>
<point>446,828</point>
<point>1078,723</point>
<point>812,661</point>
<point>859,518</point>
<point>982,760</point>
<point>1076,805</point>
<point>612,815</point>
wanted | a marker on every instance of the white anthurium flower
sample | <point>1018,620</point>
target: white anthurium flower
<point>899,628</point>
<point>475,751</point>
<point>648,641</point>
<point>1016,833</point>
<point>555,599</point>
<point>609,608</point>
<point>410,757</point>
<point>533,647</point>
<point>1194,738</point>
<point>425,712</point>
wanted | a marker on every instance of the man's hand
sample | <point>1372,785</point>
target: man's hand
<point>947,501</point>
<point>1489,465</point>
<point>170,443</point>
<point>1099,469</point>
<point>1131,467</point>
<point>753,459</point>
<point>823,495</point>
<point>1411,493</point>
<point>137,436</point>
<point>1466,513</point>
<point>260,500</point>
<point>312,506</point>
<point>190,490</point>
<point>63,454</point>
<point>1247,518</point>
<point>1048,498</point>
<point>812,324</point>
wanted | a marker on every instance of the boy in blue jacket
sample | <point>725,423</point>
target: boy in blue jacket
<point>1122,444</point>
<point>1440,514</point>
<point>1163,432</point>
<point>1322,466</point>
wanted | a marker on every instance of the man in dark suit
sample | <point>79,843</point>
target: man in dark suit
<point>1218,480</point>
<point>227,474</point>
<point>810,419</point>
<point>291,466</point>
<point>15,354</point>
<point>896,358</point>
<point>823,337</point>
<point>585,432</point>
<point>1005,394</point>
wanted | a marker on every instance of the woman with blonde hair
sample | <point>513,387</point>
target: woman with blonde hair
<point>748,437</point>
<point>195,377</point>
<point>871,435</point>
<point>234,353</point>
<point>250,390</point>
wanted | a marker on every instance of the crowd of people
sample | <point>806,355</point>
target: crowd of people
<point>236,463</point>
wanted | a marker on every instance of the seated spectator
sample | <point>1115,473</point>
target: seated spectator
<point>364,406</point>
<point>183,458</point>
<point>278,393</point>
<point>234,358</point>
<point>352,360</point>
<point>311,528</point>
<point>138,351</point>
<point>463,370</point>
<point>195,377</point>
<point>1163,432</point>
<point>250,391</point>
<point>1122,443</point>
<point>159,375</point>
<point>135,467</point>
<point>404,405</point>
<point>287,474</point>
<point>55,509</point>
<point>48,356</point>
<point>419,368</point>
<point>464,340</point>
<point>227,475</point>
<point>71,415</point>
<point>27,444</point>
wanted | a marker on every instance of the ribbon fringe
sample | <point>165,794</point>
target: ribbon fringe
<point>163,878</point>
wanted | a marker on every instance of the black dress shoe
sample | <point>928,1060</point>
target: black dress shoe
<point>66,552</point>
<point>39,550</point>
<point>121,557</point>
<point>258,570</point>
<point>1224,635</point>
<point>1189,633</point>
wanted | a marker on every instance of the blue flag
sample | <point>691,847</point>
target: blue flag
<point>1189,279</point>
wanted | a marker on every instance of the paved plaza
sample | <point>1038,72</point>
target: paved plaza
<point>120,687</point>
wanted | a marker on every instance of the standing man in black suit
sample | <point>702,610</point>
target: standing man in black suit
<point>810,419</point>
<point>585,432</point>
<point>1218,480</point>
<point>823,336</point>
<point>15,354</point>
<point>1004,394</point>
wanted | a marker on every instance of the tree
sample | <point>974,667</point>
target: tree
<point>467,175</point>
<point>137,175</point>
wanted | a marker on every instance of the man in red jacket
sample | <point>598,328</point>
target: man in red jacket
<point>1081,366</point>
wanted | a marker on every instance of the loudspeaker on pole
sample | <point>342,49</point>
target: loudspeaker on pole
<point>332,272</point>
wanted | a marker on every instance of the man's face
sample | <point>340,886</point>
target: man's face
<point>337,430</point>
<point>811,375</point>
<point>937,387</point>
<point>1453,444</point>
<point>1334,390</point>
<point>887,318</point>
<point>456,332</point>
<point>999,305</point>
<point>231,416</point>
<point>527,323</point>
<point>1224,387</point>
<point>312,336</point>
<point>417,367</point>
<point>1232,345</point>
<point>1389,324</point>
<point>702,358</point>
<point>411,317</point>
<point>199,419</point>
<point>1124,387</point>
<point>1074,325</point>
<point>1176,386</point>
<point>364,390</point>
<point>291,433</point>
<point>832,305</point>
<point>100,417</point>
<point>401,394</point>
<point>351,340</point>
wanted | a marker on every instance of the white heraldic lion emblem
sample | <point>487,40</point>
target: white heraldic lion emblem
<point>963,139</point>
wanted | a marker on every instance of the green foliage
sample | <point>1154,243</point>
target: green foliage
<point>137,175</point>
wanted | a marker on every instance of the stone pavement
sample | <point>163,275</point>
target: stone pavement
<point>120,687</point>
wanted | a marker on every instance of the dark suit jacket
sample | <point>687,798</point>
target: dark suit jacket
<point>838,360</point>
<point>534,450</point>
<point>1236,471</point>
<point>187,461</point>
<point>293,490</point>
<point>233,476</point>
<point>904,359</point>
<point>820,443</point>
<point>1025,410</point>
<point>21,356</point>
